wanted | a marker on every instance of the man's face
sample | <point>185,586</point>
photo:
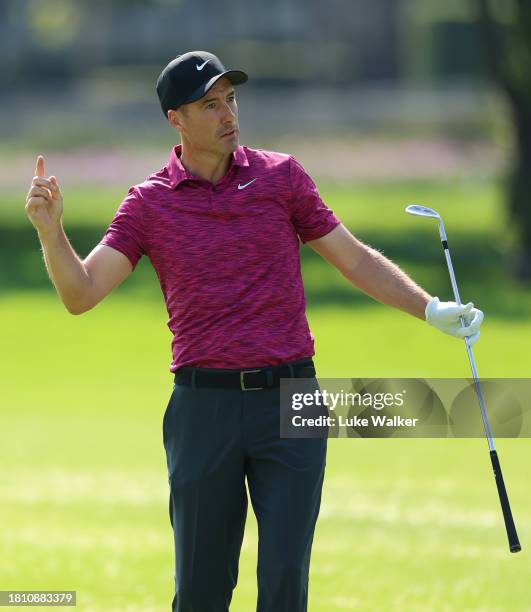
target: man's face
<point>210,123</point>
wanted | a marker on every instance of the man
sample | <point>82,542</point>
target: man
<point>221,224</point>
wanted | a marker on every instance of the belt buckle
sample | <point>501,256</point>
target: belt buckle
<point>242,381</point>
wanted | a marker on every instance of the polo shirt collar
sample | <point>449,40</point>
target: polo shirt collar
<point>178,173</point>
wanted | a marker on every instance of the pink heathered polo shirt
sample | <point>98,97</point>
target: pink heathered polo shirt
<point>227,256</point>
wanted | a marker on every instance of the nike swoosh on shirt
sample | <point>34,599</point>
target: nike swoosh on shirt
<point>200,67</point>
<point>246,184</point>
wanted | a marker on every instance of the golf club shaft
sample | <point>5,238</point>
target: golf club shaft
<point>471,359</point>
<point>514,543</point>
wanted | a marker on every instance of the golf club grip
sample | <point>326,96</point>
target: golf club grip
<point>514,544</point>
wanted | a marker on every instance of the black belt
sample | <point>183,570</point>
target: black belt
<point>246,380</point>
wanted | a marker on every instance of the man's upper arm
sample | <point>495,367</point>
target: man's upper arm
<point>340,248</point>
<point>310,216</point>
<point>106,268</point>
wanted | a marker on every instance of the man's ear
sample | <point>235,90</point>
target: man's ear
<point>174,119</point>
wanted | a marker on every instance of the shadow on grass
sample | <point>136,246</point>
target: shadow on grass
<point>479,261</point>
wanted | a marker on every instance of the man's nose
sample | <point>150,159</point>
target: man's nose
<point>229,113</point>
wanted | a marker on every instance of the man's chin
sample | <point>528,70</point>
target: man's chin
<point>230,144</point>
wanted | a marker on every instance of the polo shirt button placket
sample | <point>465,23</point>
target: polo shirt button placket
<point>212,195</point>
<point>216,202</point>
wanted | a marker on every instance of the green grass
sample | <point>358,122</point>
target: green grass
<point>405,525</point>
<point>366,206</point>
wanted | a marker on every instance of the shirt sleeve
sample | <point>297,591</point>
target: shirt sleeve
<point>125,233</point>
<point>310,215</point>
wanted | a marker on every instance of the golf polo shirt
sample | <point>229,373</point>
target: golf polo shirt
<point>227,256</point>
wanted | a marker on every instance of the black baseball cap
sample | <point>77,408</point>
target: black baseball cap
<point>189,76</point>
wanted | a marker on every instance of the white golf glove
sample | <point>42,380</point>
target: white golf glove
<point>445,317</point>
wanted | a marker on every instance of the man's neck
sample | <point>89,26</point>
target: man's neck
<point>205,165</point>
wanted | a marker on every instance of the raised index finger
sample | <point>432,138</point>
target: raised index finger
<point>39,168</point>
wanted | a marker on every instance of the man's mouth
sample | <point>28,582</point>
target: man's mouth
<point>231,133</point>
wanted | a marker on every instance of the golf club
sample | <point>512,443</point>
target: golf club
<point>514,544</point>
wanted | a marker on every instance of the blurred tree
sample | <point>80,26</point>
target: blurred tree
<point>505,27</point>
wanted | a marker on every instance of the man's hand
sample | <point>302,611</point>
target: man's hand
<point>44,203</point>
<point>445,316</point>
<point>80,284</point>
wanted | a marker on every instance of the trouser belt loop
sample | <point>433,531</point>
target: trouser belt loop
<point>291,370</point>
<point>193,378</point>
<point>269,377</point>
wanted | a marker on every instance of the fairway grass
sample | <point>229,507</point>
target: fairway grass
<point>405,524</point>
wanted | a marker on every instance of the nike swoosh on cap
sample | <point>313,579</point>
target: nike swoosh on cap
<point>200,67</point>
<point>246,184</point>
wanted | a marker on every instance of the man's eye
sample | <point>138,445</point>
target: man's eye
<point>211,105</point>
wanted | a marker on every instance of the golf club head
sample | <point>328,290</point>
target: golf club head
<point>422,211</point>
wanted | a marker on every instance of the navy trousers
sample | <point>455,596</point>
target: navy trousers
<point>215,439</point>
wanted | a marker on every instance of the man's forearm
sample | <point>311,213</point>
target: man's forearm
<point>66,270</point>
<point>386,282</point>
